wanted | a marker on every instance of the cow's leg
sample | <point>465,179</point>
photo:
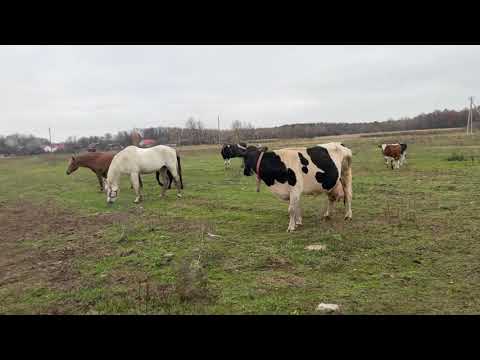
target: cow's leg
<point>136,187</point>
<point>330,207</point>
<point>346,180</point>
<point>298,215</point>
<point>293,209</point>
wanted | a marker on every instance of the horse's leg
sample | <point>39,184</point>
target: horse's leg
<point>140,181</point>
<point>100,180</point>
<point>176,178</point>
<point>162,173</point>
<point>136,186</point>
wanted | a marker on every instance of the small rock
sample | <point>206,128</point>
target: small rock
<point>328,308</point>
<point>168,256</point>
<point>317,247</point>
<point>213,235</point>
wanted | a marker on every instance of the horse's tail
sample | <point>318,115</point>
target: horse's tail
<point>179,171</point>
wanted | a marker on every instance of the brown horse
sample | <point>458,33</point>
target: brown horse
<point>99,162</point>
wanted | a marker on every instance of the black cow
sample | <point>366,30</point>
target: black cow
<point>230,151</point>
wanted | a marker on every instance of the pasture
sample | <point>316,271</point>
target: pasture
<point>413,246</point>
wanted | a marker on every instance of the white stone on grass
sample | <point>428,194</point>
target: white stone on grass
<point>317,247</point>
<point>328,308</point>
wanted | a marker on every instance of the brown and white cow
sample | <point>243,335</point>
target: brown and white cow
<point>291,172</point>
<point>394,154</point>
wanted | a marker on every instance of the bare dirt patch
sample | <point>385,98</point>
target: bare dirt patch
<point>24,262</point>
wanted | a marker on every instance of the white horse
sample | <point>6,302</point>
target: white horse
<point>135,161</point>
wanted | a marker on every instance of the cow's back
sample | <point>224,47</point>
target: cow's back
<point>317,169</point>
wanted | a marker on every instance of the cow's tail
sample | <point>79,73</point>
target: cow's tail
<point>179,170</point>
<point>346,177</point>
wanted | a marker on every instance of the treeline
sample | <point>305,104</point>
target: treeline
<point>435,120</point>
<point>195,133</point>
<point>19,144</point>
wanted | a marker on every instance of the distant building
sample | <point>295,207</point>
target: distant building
<point>54,148</point>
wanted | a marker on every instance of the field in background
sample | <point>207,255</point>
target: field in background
<point>412,247</point>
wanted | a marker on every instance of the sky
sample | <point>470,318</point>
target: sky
<point>91,90</point>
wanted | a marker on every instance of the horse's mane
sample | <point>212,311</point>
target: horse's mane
<point>91,155</point>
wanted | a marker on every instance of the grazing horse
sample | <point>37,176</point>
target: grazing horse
<point>230,151</point>
<point>291,172</point>
<point>135,161</point>
<point>99,163</point>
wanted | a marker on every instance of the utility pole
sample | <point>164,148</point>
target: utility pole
<point>218,129</point>
<point>50,136</point>
<point>470,116</point>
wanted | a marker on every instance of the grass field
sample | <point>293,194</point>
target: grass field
<point>413,246</point>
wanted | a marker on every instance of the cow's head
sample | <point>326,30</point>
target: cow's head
<point>250,156</point>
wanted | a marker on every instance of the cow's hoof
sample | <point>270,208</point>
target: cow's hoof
<point>289,230</point>
<point>298,224</point>
<point>348,218</point>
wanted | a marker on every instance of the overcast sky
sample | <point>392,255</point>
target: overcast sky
<point>91,90</point>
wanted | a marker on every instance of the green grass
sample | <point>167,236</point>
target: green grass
<point>412,247</point>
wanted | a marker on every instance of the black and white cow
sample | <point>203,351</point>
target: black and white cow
<point>230,151</point>
<point>291,172</point>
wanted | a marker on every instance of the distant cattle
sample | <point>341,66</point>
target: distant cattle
<point>395,155</point>
<point>230,151</point>
<point>291,172</point>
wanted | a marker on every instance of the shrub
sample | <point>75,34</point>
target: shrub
<point>456,157</point>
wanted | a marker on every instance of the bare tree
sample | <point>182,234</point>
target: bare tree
<point>237,127</point>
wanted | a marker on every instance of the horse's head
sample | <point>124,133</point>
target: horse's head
<point>111,190</point>
<point>72,165</point>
